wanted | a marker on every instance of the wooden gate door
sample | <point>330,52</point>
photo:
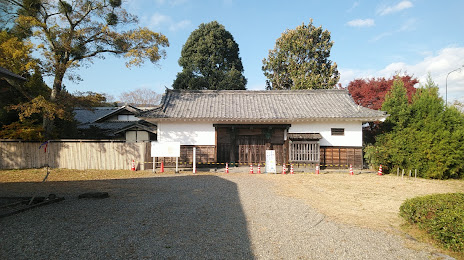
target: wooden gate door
<point>251,149</point>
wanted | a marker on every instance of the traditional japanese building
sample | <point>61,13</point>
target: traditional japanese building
<point>302,126</point>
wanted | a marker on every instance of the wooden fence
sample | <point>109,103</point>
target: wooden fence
<point>341,157</point>
<point>75,154</point>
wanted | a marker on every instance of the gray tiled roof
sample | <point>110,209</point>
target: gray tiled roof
<point>107,125</point>
<point>7,73</point>
<point>88,118</point>
<point>243,105</point>
<point>83,115</point>
<point>135,111</point>
<point>141,124</point>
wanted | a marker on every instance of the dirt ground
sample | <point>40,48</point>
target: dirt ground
<point>366,200</point>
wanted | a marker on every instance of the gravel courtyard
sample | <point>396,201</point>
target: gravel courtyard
<point>184,216</point>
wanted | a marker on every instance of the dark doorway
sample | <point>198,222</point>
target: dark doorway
<point>247,144</point>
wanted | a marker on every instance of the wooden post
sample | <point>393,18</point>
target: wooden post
<point>177,164</point>
<point>154,164</point>
<point>194,160</point>
<point>398,172</point>
<point>415,173</point>
<point>233,145</point>
<point>215,145</point>
<point>402,174</point>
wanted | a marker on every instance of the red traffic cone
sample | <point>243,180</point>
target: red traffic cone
<point>259,168</point>
<point>283,169</point>
<point>227,168</point>
<point>317,168</point>
<point>291,169</point>
<point>133,166</point>
<point>380,170</point>
<point>351,170</point>
<point>162,167</point>
<point>251,168</point>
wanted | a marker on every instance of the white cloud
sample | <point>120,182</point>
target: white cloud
<point>228,2</point>
<point>396,8</point>
<point>355,4</point>
<point>180,25</point>
<point>171,2</point>
<point>361,23</point>
<point>438,64</point>
<point>409,25</point>
<point>256,86</point>
<point>160,21</point>
<point>157,20</point>
<point>380,36</point>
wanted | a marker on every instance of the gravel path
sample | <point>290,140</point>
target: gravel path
<point>236,216</point>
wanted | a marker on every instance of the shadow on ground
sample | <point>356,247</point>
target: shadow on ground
<point>179,217</point>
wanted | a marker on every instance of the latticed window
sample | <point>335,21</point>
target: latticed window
<point>337,131</point>
<point>304,151</point>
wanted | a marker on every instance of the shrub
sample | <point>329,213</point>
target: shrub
<point>440,215</point>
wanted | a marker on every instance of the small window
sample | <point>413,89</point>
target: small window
<point>338,131</point>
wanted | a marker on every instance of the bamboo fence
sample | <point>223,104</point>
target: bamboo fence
<point>74,154</point>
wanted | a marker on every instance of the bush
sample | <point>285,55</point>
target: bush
<point>440,215</point>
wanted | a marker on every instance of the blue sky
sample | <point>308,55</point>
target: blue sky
<point>371,39</point>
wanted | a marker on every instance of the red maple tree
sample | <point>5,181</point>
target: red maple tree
<point>371,92</point>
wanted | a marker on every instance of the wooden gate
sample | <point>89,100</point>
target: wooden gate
<point>251,149</point>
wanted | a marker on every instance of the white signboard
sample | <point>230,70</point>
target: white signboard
<point>167,149</point>
<point>270,161</point>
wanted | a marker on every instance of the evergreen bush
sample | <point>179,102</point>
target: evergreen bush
<point>426,135</point>
<point>440,215</point>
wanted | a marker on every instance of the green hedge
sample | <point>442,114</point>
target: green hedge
<point>441,215</point>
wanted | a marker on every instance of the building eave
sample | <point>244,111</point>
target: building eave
<point>265,121</point>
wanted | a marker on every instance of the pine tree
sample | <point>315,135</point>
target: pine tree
<point>210,60</point>
<point>300,60</point>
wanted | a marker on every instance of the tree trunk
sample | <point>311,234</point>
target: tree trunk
<point>49,123</point>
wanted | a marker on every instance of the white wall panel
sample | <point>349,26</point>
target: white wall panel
<point>352,137</point>
<point>187,133</point>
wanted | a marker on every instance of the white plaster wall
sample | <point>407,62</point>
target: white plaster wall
<point>352,137</point>
<point>187,133</point>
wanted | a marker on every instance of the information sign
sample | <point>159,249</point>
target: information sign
<point>270,161</point>
<point>167,149</point>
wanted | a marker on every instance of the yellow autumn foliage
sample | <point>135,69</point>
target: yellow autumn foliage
<point>15,55</point>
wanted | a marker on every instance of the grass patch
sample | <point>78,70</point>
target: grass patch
<point>440,215</point>
<point>37,175</point>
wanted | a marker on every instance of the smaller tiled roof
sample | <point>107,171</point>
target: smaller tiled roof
<point>95,117</point>
<point>85,115</point>
<point>6,73</point>
<point>124,109</point>
<point>259,106</point>
<point>304,136</point>
<point>139,125</point>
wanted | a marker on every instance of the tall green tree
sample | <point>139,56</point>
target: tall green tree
<point>210,60</point>
<point>73,32</point>
<point>300,60</point>
<point>426,135</point>
<point>397,105</point>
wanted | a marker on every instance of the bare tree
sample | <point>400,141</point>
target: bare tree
<point>140,97</point>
